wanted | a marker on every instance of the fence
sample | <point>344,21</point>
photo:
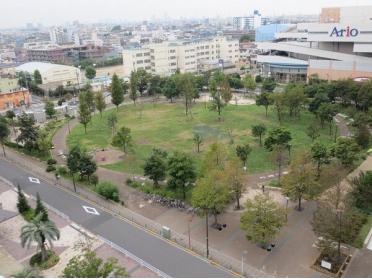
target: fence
<point>215,256</point>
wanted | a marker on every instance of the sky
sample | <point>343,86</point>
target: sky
<point>16,13</point>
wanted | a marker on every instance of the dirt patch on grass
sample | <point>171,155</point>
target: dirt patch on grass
<point>108,156</point>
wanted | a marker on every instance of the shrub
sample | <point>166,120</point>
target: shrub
<point>29,215</point>
<point>51,161</point>
<point>94,179</point>
<point>62,170</point>
<point>50,168</point>
<point>52,260</point>
<point>108,190</point>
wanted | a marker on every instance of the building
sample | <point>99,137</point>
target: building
<point>338,46</point>
<point>247,23</point>
<point>52,75</point>
<point>60,36</point>
<point>12,95</point>
<point>187,56</point>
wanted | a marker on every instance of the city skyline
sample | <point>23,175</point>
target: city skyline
<point>59,13</point>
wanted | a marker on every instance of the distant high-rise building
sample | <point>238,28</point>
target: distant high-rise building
<point>60,36</point>
<point>247,23</point>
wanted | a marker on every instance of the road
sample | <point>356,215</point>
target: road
<point>168,258</point>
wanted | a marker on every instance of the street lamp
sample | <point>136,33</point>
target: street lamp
<point>245,252</point>
<point>286,209</point>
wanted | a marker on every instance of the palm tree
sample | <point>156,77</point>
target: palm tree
<point>39,232</point>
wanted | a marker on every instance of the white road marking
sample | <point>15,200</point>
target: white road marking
<point>90,210</point>
<point>34,180</point>
<point>271,176</point>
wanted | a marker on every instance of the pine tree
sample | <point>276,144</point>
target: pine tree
<point>40,208</point>
<point>22,204</point>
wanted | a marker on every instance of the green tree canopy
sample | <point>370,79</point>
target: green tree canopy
<point>117,91</point>
<point>259,130</point>
<point>49,109</point>
<point>156,166</point>
<point>37,77</point>
<point>90,72</point>
<point>123,139</point>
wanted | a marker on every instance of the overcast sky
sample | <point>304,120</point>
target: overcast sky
<point>16,13</point>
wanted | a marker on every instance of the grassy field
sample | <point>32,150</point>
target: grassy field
<point>166,126</point>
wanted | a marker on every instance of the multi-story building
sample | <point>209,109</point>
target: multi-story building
<point>338,46</point>
<point>187,56</point>
<point>248,23</point>
<point>12,95</point>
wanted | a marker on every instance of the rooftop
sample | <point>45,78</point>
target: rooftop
<point>281,60</point>
<point>43,67</point>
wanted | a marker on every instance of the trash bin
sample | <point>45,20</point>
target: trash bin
<point>166,232</point>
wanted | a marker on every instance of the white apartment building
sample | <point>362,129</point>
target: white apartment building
<point>338,46</point>
<point>188,56</point>
<point>248,23</point>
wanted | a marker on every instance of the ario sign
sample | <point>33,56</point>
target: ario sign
<point>344,33</point>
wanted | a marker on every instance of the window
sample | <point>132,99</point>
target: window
<point>139,55</point>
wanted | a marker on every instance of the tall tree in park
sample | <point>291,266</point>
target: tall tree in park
<point>221,93</point>
<point>44,142</point>
<point>90,72</point>
<point>37,77</point>
<point>112,120</point>
<point>346,150</point>
<point>264,100</point>
<point>4,134</point>
<point>117,91</point>
<point>73,162</point>
<point>294,99</point>
<point>88,265</point>
<point>243,151</point>
<point>212,194</point>
<point>249,83</point>
<point>40,232</point>
<point>226,90</point>
<point>215,158</point>
<point>182,172</point>
<point>100,102</point>
<point>259,130</point>
<point>198,140</point>
<point>313,131</point>
<point>268,85</point>
<point>262,220</point>
<point>41,209</point>
<point>320,155</point>
<point>123,139</point>
<point>142,78</point>
<point>87,166</point>
<point>22,204</point>
<point>365,96</point>
<point>84,112</point>
<point>155,86</point>
<point>325,113</point>
<point>234,177</point>
<point>278,142</point>
<point>362,191</point>
<point>29,133</point>
<point>301,183</point>
<point>49,109</point>
<point>336,221</point>
<point>156,166</point>
<point>10,115</point>
<point>170,89</point>
<point>89,98</point>
<point>187,88</point>
<point>279,102</point>
<point>133,87</point>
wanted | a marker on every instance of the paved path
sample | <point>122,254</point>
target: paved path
<point>170,259</point>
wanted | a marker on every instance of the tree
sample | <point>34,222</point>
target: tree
<point>87,265</point>
<point>10,115</point>
<point>112,120</point>
<point>87,167</point>
<point>262,220</point>
<point>182,172</point>
<point>4,134</point>
<point>44,142</point>
<point>156,166</point>
<point>212,194</point>
<point>242,151</point>
<point>346,150</point>
<point>249,83</point>
<point>39,232</point>
<point>170,89</point>
<point>41,209</point>
<point>117,91</point>
<point>325,113</point>
<point>362,136</point>
<point>155,86</point>
<point>264,100</point>
<point>28,272</point>
<point>198,140</point>
<point>268,85</point>
<point>28,131</point>
<point>90,72</point>
<point>220,90</point>
<point>259,130</point>
<point>142,78</point>
<point>37,77</point>
<point>362,191</point>
<point>234,177</point>
<point>187,87</point>
<point>123,139</point>
<point>294,98</point>
<point>215,158</point>
<point>100,102</point>
<point>279,102</point>
<point>320,155</point>
<point>89,98</point>
<point>49,109</point>
<point>313,131</point>
<point>133,87</point>
<point>300,183</point>
<point>22,205</point>
<point>84,111</point>
<point>73,162</point>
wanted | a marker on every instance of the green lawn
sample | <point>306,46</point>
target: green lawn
<point>363,232</point>
<point>165,126</point>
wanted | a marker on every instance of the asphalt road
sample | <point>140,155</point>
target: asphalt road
<point>168,258</point>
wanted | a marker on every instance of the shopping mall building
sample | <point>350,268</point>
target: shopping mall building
<point>339,46</point>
